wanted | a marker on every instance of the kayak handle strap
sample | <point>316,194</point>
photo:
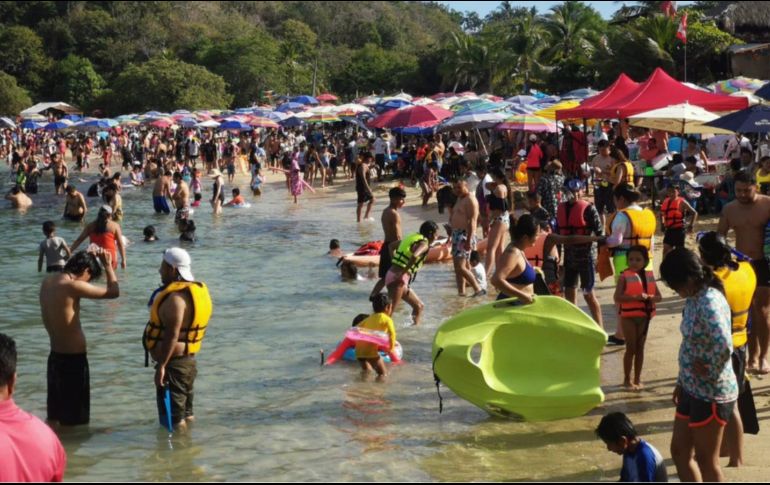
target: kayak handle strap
<point>437,380</point>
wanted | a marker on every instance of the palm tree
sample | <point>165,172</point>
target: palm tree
<point>574,29</point>
<point>522,48</point>
<point>466,62</point>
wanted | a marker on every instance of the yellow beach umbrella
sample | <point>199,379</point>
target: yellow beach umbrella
<point>549,113</point>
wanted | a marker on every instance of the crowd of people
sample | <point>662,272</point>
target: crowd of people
<point>546,239</point>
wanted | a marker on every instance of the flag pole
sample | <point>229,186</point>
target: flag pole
<point>685,61</point>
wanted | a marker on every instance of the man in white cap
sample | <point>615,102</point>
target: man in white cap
<point>179,314</point>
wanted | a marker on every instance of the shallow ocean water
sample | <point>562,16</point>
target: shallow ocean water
<point>265,408</point>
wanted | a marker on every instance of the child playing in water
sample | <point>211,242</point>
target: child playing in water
<point>187,228</point>
<point>197,202</point>
<point>334,248</point>
<point>237,198</point>
<point>368,354</point>
<point>478,270</point>
<point>636,294</point>
<point>149,234</point>
<point>54,249</point>
<point>641,461</point>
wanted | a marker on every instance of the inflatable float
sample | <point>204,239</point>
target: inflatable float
<point>436,254</point>
<point>535,362</point>
<point>346,349</point>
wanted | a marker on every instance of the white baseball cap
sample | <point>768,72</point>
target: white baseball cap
<point>180,260</point>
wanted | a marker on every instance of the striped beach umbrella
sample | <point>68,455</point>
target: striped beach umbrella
<point>262,122</point>
<point>323,118</point>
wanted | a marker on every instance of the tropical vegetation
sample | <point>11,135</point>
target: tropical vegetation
<point>131,56</point>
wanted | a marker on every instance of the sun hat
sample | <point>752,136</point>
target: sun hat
<point>689,178</point>
<point>106,209</point>
<point>180,260</point>
<point>215,173</point>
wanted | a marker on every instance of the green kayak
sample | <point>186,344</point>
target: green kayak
<point>535,362</point>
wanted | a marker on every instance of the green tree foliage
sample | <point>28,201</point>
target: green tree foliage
<point>373,69</point>
<point>76,82</point>
<point>22,56</point>
<point>166,85</point>
<point>13,98</point>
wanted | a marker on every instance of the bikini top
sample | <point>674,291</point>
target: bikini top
<point>497,203</point>
<point>526,278</point>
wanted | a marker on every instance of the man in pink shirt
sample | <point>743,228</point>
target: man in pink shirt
<point>29,450</point>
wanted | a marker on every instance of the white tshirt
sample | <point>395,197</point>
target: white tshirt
<point>481,275</point>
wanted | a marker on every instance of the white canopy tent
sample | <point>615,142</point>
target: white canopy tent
<point>57,105</point>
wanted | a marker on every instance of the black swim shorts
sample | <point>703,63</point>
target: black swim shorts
<point>364,197</point>
<point>180,377</point>
<point>71,218</point>
<point>69,389</point>
<point>385,260</point>
<point>762,270</point>
<point>739,366</point>
<point>701,413</point>
<point>674,237</point>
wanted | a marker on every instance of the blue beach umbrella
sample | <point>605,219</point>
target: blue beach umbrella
<point>31,125</point>
<point>6,122</point>
<point>416,130</point>
<point>58,125</point>
<point>580,94</point>
<point>187,122</point>
<point>755,119</point>
<point>391,104</point>
<point>95,125</point>
<point>73,118</point>
<point>235,125</point>
<point>522,99</point>
<point>290,106</point>
<point>763,92</point>
<point>292,122</point>
<point>304,99</point>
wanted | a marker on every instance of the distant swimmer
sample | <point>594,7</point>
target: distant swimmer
<point>68,376</point>
<point>53,249</point>
<point>18,199</point>
<point>75,207</point>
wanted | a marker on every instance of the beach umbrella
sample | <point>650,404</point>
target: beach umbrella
<point>491,97</point>
<point>187,122</point>
<point>763,92</point>
<point>130,122</point>
<point>418,116</point>
<point>402,95</point>
<point>292,122</point>
<point>31,125</point>
<point>73,118</point>
<point>549,112</point>
<point>473,121</point>
<point>235,125</point>
<point>290,106</point>
<point>369,100</point>
<point>736,84</point>
<point>323,118</point>
<point>96,124</point>
<point>580,94</point>
<point>680,118</point>
<point>522,99</point>
<point>468,94</point>
<point>6,122</point>
<point>326,97</point>
<point>208,124</point>
<point>416,130</point>
<point>262,122</point>
<point>547,100</point>
<point>181,112</point>
<point>390,104</point>
<point>379,121</point>
<point>753,99</point>
<point>755,119</point>
<point>58,125</point>
<point>155,114</point>
<point>484,106</point>
<point>276,116</point>
<point>304,99</point>
<point>528,122</point>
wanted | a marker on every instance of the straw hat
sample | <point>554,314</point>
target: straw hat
<point>215,173</point>
<point>689,178</point>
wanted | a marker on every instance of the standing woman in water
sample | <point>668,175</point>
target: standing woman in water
<point>106,234</point>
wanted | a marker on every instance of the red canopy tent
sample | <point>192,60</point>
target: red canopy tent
<point>661,90</point>
<point>618,90</point>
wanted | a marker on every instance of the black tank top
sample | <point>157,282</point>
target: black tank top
<point>497,203</point>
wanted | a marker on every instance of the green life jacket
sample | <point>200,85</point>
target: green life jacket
<point>404,253</point>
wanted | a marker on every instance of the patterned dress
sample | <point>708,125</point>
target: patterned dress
<point>707,336</point>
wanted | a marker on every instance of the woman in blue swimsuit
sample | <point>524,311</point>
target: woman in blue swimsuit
<point>514,276</point>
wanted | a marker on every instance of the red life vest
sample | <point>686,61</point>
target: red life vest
<point>370,249</point>
<point>571,220</point>
<point>673,218</point>
<point>535,254</point>
<point>634,287</point>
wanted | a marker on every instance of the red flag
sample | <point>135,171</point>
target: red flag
<point>681,32</point>
<point>669,8</point>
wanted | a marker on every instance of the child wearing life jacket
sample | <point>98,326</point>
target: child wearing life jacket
<point>642,462</point>
<point>636,295</point>
<point>673,212</point>
<point>368,354</point>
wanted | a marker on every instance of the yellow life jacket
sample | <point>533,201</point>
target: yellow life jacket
<point>629,172</point>
<point>739,287</point>
<point>643,224</point>
<point>404,253</point>
<point>191,335</point>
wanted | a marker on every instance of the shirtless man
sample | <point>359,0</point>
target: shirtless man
<point>463,218</point>
<point>181,199</point>
<point>160,191</point>
<point>68,378</point>
<point>748,216</point>
<point>18,199</point>
<point>602,164</point>
<point>391,225</point>
<point>363,189</point>
<point>59,173</point>
<point>75,207</point>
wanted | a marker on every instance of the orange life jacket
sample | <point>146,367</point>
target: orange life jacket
<point>571,220</point>
<point>634,287</point>
<point>535,254</point>
<point>370,249</point>
<point>672,213</point>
